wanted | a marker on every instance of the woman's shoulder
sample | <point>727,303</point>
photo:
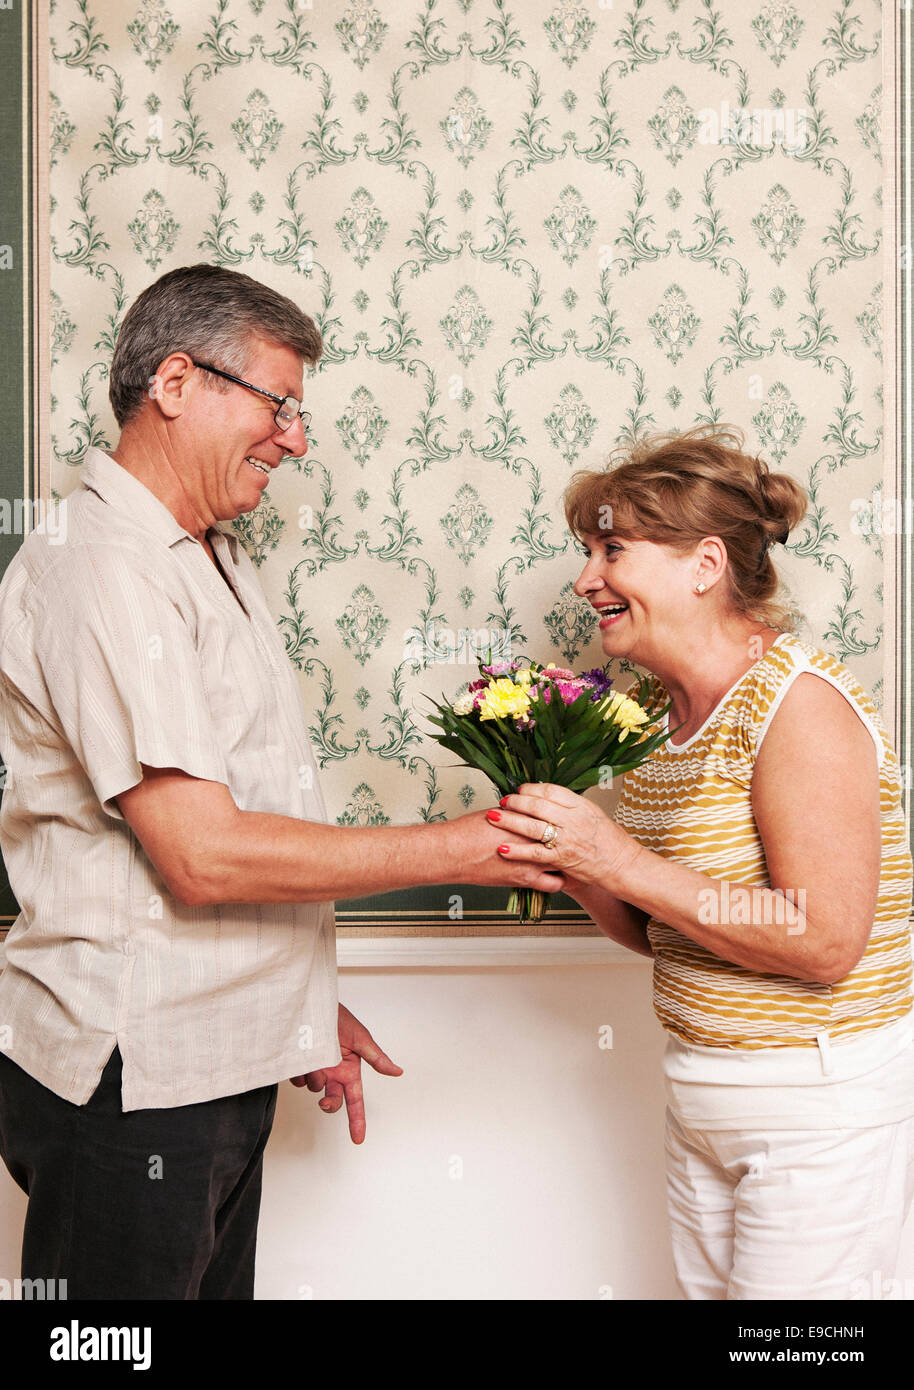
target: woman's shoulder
<point>790,656</point>
<point>773,677</point>
<point>764,684</point>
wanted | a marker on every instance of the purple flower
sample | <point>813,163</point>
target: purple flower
<point>599,680</point>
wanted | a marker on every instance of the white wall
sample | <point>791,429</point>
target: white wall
<point>561,1144</point>
<point>560,1140</point>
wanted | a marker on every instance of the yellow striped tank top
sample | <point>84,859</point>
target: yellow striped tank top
<point>692,803</point>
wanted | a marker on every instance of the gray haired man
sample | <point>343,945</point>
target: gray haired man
<point>163,827</point>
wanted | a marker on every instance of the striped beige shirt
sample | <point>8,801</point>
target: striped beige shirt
<point>692,802</point>
<point>121,644</point>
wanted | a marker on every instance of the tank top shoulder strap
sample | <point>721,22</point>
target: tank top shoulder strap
<point>757,698</point>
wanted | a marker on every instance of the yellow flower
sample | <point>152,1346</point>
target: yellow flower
<point>625,712</point>
<point>503,698</point>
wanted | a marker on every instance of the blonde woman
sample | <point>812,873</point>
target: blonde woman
<point>760,857</point>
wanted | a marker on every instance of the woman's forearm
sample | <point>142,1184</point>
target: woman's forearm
<point>618,920</point>
<point>764,929</point>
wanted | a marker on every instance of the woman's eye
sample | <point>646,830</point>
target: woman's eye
<point>609,547</point>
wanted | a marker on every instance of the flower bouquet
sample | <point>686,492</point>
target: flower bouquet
<point>521,722</point>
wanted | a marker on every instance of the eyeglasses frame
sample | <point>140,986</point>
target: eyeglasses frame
<point>303,415</point>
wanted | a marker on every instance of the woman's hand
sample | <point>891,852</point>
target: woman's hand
<point>818,817</point>
<point>589,847</point>
<point>474,840</point>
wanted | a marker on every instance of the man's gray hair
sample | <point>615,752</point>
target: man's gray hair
<point>212,314</point>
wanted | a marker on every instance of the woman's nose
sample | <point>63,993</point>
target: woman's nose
<point>585,581</point>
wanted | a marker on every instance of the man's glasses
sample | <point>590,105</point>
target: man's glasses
<point>289,407</point>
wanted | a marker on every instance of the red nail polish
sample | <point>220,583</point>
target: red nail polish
<point>503,849</point>
<point>503,800</point>
<point>493,815</point>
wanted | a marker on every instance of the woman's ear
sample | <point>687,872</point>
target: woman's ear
<point>711,561</point>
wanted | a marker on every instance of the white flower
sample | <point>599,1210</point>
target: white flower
<point>464,703</point>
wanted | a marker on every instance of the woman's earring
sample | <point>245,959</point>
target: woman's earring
<point>699,588</point>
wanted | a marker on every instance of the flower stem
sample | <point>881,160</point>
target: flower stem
<point>529,904</point>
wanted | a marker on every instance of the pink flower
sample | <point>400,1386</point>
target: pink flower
<point>559,673</point>
<point>569,690</point>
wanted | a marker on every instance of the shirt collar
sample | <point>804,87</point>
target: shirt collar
<point>121,490</point>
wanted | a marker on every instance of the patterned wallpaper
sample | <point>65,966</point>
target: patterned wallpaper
<point>527,234</point>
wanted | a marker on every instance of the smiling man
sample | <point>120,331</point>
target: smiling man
<point>163,828</point>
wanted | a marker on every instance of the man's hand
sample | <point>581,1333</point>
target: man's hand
<point>344,1081</point>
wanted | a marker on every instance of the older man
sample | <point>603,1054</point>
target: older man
<point>163,827</point>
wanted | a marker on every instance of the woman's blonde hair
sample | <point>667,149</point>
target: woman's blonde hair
<point>674,489</point>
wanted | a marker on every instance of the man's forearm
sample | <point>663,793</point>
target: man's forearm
<point>207,850</point>
<point>267,858</point>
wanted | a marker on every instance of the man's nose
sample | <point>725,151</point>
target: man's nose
<point>294,439</point>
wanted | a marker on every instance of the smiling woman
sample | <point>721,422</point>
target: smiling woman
<point>675,489</point>
<point>760,855</point>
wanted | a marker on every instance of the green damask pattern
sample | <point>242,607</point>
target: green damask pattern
<point>528,235</point>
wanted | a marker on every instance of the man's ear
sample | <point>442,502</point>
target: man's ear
<point>171,384</point>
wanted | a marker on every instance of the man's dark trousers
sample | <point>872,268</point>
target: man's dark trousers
<point>159,1204</point>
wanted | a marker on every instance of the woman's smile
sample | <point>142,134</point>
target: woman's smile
<point>612,613</point>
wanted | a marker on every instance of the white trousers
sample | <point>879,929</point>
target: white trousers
<point>762,1212</point>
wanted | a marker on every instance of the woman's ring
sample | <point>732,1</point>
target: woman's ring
<point>549,836</point>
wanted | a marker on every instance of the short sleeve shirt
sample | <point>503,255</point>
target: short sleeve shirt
<point>121,644</point>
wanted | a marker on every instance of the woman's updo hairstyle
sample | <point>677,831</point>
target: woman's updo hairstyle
<point>675,489</point>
